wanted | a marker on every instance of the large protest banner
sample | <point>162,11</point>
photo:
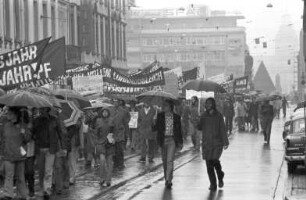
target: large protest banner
<point>148,69</point>
<point>116,83</point>
<point>18,66</point>
<point>33,65</point>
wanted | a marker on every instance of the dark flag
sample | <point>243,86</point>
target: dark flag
<point>190,74</point>
<point>17,66</point>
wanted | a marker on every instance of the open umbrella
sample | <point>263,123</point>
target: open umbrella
<point>156,97</point>
<point>203,85</point>
<point>46,93</point>
<point>25,99</point>
<point>98,104</point>
<point>67,94</point>
<point>275,95</point>
<point>70,113</point>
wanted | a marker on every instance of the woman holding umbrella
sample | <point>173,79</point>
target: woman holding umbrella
<point>169,138</point>
<point>16,134</point>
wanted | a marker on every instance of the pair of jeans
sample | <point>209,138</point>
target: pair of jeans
<point>14,168</point>
<point>106,167</point>
<point>45,166</point>
<point>148,148</point>
<point>72,163</point>
<point>29,173</point>
<point>168,154</point>
<point>119,154</point>
<point>211,166</point>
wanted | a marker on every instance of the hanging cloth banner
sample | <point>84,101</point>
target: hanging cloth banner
<point>111,75</point>
<point>33,65</point>
<point>18,66</point>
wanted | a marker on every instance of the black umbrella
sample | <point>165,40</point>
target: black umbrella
<point>204,85</point>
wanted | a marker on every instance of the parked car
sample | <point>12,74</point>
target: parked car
<point>295,141</point>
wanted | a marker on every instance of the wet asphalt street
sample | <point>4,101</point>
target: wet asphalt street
<point>253,170</point>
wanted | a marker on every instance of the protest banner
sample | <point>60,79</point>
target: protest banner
<point>34,65</point>
<point>133,123</point>
<point>18,66</point>
<point>241,84</point>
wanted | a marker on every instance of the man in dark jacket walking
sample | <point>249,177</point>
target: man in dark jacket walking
<point>267,115</point>
<point>49,139</point>
<point>214,140</point>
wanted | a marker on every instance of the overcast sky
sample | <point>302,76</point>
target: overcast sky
<point>260,20</point>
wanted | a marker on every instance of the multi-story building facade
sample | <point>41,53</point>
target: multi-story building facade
<point>94,30</point>
<point>188,38</point>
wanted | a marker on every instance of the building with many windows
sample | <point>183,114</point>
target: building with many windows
<point>94,30</point>
<point>188,38</point>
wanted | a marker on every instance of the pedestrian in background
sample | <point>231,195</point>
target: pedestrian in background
<point>16,134</point>
<point>214,140</point>
<point>241,112</point>
<point>284,105</point>
<point>253,112</point>
<point>169,138</point>
<point>105,147</point>
<point>267,115</point>
<point>148,136</point>
<point>134,133</point>
<point>229,113</point>
<point>194,119</point>
<point>119,122</point>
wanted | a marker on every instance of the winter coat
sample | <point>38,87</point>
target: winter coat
<point>119,122</point>
<point>214,136</point>
<point>49,132</point>
<point>13,140</point>
<point>145,124</point>
<point>103,129</point>
<point>160,127</point>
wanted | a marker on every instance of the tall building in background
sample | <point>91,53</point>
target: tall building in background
<point>187,37</point>
<point>286,51</point>
<point>301,74</point>
<point>94,29</point>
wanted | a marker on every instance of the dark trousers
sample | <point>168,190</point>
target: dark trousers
<point>148,148</point>
<point>119,154</point>
<point>229,123</point>
<point>211,166</point>
<point>61,173</point>
<point>29,173</point>
<point>284,111</point>
<point>266,128</point>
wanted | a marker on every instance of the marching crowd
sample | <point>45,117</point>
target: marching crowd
<point>36,140</point>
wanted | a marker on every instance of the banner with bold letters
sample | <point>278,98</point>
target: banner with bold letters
<point>32,65</point>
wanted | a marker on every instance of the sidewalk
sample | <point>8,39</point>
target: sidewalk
<point>296,186</point>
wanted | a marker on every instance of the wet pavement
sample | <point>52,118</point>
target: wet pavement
<point>252,171</point>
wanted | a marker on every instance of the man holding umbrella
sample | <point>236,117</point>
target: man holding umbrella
<point>49,139</point>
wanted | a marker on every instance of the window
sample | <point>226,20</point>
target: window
<point>53,22</point>
<point>7,18</point>
<point>17,20</point>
